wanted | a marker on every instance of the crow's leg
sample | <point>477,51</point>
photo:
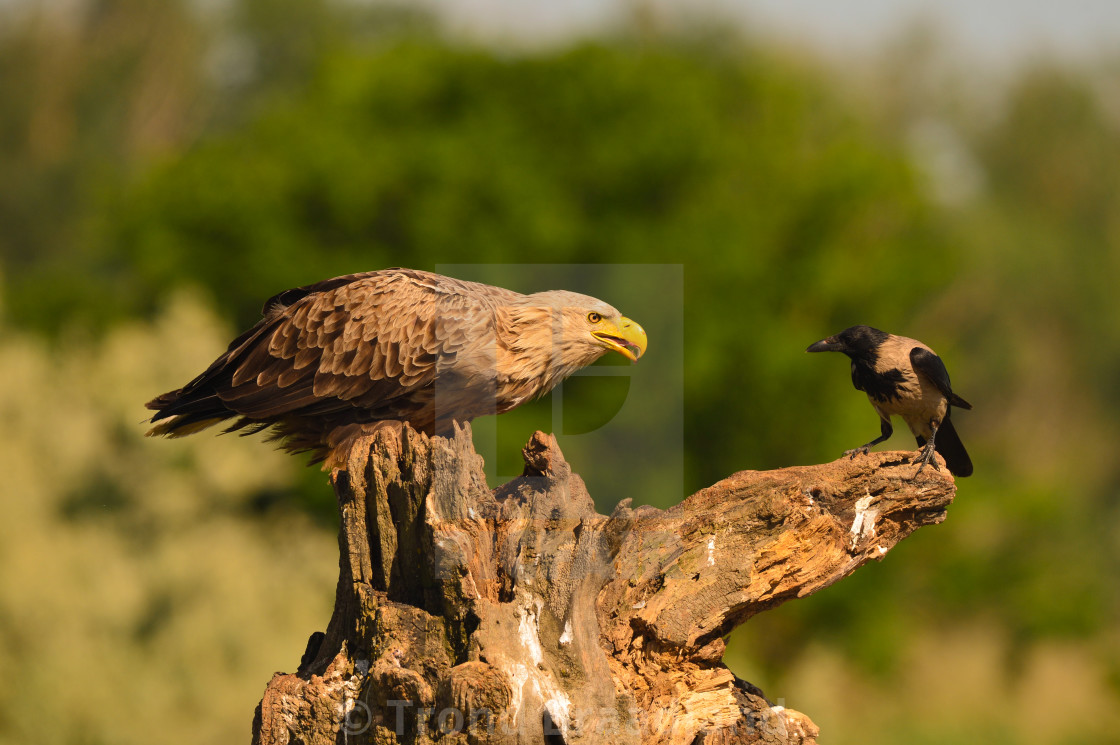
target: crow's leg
<point>925,455</point>
<point>887,431</point>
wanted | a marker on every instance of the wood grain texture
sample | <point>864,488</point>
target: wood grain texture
<point>521,615</point>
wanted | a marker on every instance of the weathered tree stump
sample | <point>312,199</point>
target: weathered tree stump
<point>520,615</point>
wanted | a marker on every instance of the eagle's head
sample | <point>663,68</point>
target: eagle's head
<point>550,335</point>
<point>582,329</point>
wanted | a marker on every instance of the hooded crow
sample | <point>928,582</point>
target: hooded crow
<point>904,377</point>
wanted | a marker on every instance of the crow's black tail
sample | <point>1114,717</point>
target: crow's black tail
<point>949,445</point>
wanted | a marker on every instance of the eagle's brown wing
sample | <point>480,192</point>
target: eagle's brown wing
<point>371,343</point>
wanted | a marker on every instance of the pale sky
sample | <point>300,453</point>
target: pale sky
<point>992,29</point>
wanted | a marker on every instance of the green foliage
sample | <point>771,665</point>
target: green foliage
<point>739,201</point>
<point>783,209</point>
<point>142,590</point>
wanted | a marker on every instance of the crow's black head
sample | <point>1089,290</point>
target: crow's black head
<point>856,341</point>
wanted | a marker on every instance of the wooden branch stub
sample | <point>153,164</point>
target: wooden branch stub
<point>520,615</point>
<point>757,539</point>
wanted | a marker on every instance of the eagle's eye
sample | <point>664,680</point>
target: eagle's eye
<point>594,317</point>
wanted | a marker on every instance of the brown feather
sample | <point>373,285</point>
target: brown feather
<point>367,348</point>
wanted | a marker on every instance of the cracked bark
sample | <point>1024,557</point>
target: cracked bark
<point>520,615</point>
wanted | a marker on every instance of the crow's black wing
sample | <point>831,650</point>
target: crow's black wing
<point>929,365</point>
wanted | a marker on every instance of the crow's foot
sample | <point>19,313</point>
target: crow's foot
<point>861,450</point>
<point>925,458</point>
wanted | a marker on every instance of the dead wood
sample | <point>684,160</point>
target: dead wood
<point>520,615</point>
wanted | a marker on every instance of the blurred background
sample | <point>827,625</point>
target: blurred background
<point>947,173</point>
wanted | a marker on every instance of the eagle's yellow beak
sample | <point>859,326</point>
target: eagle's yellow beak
<point>628,338</point>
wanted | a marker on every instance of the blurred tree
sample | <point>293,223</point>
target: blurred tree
<point>88,95</point>
<point>142,590</point>
<point>268,144</point>
<point>97,91</point>
<point>738,165</point>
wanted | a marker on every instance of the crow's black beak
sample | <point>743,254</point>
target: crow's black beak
<point>825,345</point>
